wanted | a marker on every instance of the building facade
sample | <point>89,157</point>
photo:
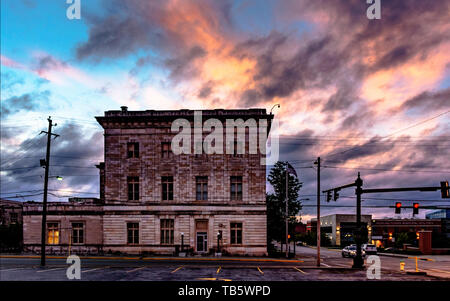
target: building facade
<point>444,216</point>
<point>10,226</point>
<point>339,228</point>
<point>153,200</point>
<point>385,232</point>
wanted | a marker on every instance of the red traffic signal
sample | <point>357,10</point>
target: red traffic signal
<point>398,207</point>
<point>415,208</point>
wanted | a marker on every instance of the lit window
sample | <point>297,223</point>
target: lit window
<point>52,233</point>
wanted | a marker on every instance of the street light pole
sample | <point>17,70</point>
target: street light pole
<point>318,211</point>
<point>286,211</point>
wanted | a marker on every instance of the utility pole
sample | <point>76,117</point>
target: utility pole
<point>318,211</point>
<point>44,202</point>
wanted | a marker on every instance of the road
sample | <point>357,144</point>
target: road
<point>439,267</point>
<point>334,267</point>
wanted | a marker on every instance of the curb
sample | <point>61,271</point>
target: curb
<point>393,255</point>
<point>161,258</point>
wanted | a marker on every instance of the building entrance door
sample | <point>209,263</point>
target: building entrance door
<point>202,242</point>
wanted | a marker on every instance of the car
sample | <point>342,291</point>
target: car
<point>350,251</point>
<point>390,250</point>
<point>369,248</point>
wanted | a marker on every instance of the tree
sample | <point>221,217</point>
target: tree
<point>276,202</point>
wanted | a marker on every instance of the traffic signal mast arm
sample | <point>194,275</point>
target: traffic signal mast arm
<point>340,187</point>
<point>400,189</point>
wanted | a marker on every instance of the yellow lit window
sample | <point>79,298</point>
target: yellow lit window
<point>52,234</point>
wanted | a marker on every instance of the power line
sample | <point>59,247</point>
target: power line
<point>383,169</point>
<point>396,132</point>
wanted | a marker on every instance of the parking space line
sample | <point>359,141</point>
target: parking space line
<point>325,264</point>
<point>260,270</point>
<point>13,269</point>
<point>177,269</point>
<point>218,270</point>
<point>300,270</point>
<point>136,269</point>
<point>341,265</point>
<point>49,270</point>
<point>95,269</point>
<point>439,271</point>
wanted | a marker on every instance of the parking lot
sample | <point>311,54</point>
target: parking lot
<point>192,269</point>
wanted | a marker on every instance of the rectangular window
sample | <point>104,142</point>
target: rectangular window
<point>52,233</point>
<point>236,188</point>
<point>201,188</point>
<point>167,231</point>
<point>133,149</point>
<point>237,152</point>
<point>13,217</point>
<point>77,233</point>
<point>167,188</point>
<point>133,188</point>
<point>165,150</point>
<point>132,233</point>
<point>236,233</point>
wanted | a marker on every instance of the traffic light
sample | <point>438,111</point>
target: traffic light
<point>415,208</point>
<point>328,195</point>
<point>336,195</point>
<point>444,190</point>
<point>398,207</point>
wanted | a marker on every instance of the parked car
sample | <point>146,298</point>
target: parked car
<point>391,250</point>
<point>369,248</point>
<point>350,251</point>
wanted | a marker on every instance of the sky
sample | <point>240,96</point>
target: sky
<point>364,95</point>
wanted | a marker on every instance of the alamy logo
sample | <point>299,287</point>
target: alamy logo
<point>74,270</point>
<point>74,10</point>
<point>374,10</point>
<point>213,143</point>
<point>374,270</point>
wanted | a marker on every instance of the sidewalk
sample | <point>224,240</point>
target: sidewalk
<point>169,258</point>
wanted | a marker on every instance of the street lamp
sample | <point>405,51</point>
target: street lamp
<point>277,105</point>
<point>218,246</point>
<point>182,241</point>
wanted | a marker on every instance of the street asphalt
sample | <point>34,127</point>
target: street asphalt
<point>303,268</point>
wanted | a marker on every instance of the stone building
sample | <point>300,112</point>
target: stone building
<point>10,226</point>
<point>10,212</point>
<point>153,200</point>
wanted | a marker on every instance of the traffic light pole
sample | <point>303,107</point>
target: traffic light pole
<point>358,262</point>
